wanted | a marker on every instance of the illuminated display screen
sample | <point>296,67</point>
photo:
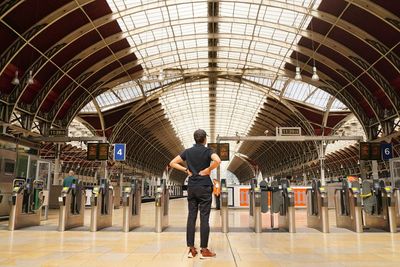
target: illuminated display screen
<point>375,151</point>
<point>103,151</point>
<point>222,150</point>
<point>91,151</point>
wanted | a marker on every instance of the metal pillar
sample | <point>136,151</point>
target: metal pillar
<point>322,162</point>
<point>375,174</point>
<point>363,172</point>
<point>57,165</point>
<point>217,198</point>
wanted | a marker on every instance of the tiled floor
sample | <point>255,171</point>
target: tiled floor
<point>44,246</point>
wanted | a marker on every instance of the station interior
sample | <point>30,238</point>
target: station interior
<point>299,98</point>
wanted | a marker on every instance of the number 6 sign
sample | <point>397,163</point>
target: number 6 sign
<point>387,151</point>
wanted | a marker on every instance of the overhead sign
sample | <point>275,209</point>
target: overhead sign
<point>386,151</point>
<point>58,132</point>
<point>288,131</point>
<point>91,151</point>
<point>222,150</point>
<point>364,151</point>
<point>102,153</point>
<point>97,151</point>
<point>375,151</point>
<point>119,152</point>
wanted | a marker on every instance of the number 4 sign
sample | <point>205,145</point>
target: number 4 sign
<point>119,152</point>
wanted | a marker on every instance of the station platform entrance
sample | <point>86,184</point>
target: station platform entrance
<point>240,247</point>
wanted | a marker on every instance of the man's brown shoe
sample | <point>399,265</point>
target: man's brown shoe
<point>205,253</point>
<point>192,252</point>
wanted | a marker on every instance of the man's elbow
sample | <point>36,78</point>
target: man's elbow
<point>218,161</point>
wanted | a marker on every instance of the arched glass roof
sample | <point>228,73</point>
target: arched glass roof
<point>243,39</point>
<point>188,107</point>
<point>176,34</point>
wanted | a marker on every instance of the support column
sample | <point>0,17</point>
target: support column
<point>375,174</point>
<point>322,162</point>
<point>217,198</point>
<point>363,173</point>
<point>57,165</point>
<point>121,179</point>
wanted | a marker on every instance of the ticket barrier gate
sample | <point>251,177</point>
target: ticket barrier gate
<point>282,206</point>
<point>72,206</point>
<point>348,207</point>
<point>26,203</point>
<point>379,206</point>
<point>224,210</point>
<point>396,193</point>
<point>317,207</point>
<point>255,221</point>
<point>131,202</point>
<point>162,207</point>
<point>102,203</point>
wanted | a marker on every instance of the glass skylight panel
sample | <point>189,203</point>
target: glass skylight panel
<point>281,36</point>
<point>89,108</point>
<point>319,98</point>
<point>241,10</point>
<point>298,90</point>
<point>278,85</point>
<point>185,11</point>
<point>139,19</point>
<point>156,15</point>
<point>226,9</point>
<point>272,14</point>
<point>338,105</point>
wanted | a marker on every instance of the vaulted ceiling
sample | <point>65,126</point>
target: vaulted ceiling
<point>227,67</point>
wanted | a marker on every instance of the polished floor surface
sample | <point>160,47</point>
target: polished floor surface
<point>45,246</point>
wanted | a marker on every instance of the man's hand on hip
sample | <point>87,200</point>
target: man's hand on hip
<point>205,172</point>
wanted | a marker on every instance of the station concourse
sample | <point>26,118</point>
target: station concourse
<point>300,99</point>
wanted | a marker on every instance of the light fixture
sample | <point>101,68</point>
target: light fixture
<point>15,81</point>
<point>145,78</point>
<point>161,76</point>
<point>30,79</point>
<point>297,77</point>
<point>314,76</point>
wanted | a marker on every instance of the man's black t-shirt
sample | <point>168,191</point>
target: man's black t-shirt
<point>198,158</point>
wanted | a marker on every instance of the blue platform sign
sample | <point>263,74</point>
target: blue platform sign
<point>387,151</point>
<point>119,152</point>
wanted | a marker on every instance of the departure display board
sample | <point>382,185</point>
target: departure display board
<point>91,151</point>
<point>375,151</point>
<point>214,147</point>
<point>364,151</point>
<point>102,151</point>
<point>97,151</point>
<point>370,151</point>
<point>222,150</point>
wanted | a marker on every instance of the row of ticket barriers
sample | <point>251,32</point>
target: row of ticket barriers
<point>369,205</point>
<point>358,207</point>
<point>27,200</point>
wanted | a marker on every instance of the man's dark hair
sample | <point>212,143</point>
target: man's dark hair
<point>199,136</point>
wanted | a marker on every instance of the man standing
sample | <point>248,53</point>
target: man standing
<point>200,161</point>
<point>70,179</point>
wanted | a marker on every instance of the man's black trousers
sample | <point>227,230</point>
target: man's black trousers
<point>199,198</point>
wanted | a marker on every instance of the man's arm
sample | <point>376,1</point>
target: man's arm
<point>214,164</point>
<point>175,163</point>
